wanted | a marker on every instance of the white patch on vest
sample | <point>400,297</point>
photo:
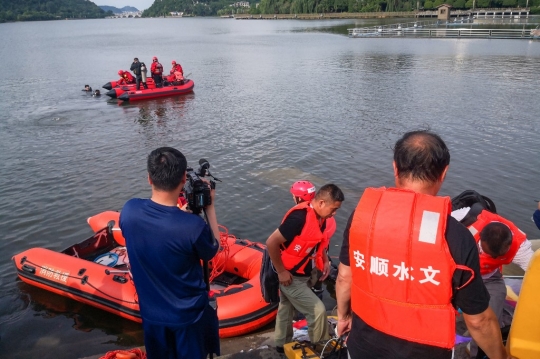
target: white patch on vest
<point>297,248</point>
<point>309,250</point>
<point>473,230</point>
<point>428,227</point>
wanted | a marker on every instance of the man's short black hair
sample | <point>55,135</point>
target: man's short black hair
<point>421,155</point>
<point>136,59</point>
<point>498,238</point>
<point>166,167</point>
<point>330,192</point>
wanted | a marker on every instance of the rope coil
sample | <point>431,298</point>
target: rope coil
<point>220,259</point>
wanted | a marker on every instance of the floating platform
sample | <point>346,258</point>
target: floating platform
<point>458,28</point>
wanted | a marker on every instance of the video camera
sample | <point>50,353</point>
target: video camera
<point>196,191</point>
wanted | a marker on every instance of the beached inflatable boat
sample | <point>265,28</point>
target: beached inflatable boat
<point>165,91</point>
<point>95,272</point>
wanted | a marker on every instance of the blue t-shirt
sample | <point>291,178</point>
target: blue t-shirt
<point>165,247</point>
<point>536,218</point>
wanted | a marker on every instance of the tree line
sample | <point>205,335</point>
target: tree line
<point>29,10</point>
<point>189,7</point>
<point>222,7</point>
<point>329,6</point>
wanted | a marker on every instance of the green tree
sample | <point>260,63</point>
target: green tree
<point>437,3</point>
<point>31,10</point>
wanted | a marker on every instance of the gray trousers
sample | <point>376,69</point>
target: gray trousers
<point>497,292</point>
<point>300,296</point>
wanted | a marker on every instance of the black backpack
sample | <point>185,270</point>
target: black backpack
<point>469,197</point>
<point>269,280</point>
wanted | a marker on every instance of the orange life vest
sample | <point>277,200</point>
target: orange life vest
<point>297,255</point>
<point>329,231</point>
<point>401,265</point>
<point>487,263</point>
<point>178,76</point>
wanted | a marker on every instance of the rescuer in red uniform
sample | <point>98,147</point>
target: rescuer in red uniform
<point>125,78</point>
<point>176,73</point>
<point>304,191</point>
<point>157,72</point>
<point>500,242</point>
<point>406,265</point>
<point>292,248</point>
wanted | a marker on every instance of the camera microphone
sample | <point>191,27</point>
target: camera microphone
<point>204,165</point>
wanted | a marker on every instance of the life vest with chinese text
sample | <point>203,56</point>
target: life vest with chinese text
<point>297,255</point>
<point>489,264</point>
<point>401,265</point>
<point>329,231</point>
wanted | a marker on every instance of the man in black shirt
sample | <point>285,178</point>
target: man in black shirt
<point>414,329</point>
<point>136,68</point>
<point>293,248</point>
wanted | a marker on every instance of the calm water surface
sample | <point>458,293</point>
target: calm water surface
<point>274,102</point>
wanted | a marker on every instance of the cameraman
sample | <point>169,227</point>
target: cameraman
<point>166,247</point>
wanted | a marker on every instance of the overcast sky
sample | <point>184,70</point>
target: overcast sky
<point>139,4</point>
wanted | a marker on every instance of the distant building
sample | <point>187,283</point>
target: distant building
<point>127,14</point>
<point>176,13</point>
<point>241,4</point>
<point>443,12</point>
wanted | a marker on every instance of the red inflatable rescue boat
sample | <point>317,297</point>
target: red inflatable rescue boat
<point>170,90</point>
<point>95,272</point>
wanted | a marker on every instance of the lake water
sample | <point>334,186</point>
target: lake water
<point>274,102</point>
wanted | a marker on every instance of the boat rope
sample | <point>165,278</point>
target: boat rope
<point>86,281</point>
<point>220,259</point>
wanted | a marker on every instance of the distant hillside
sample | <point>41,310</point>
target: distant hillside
<point>28,10</point>
<point>116,10</point>
<point>191,7</point>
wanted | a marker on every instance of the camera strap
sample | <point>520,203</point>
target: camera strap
<point>206,274</point>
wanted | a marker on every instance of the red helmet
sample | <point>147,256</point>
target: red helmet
<point>173,62</point>
<point>303,189</point>
<point>120,72</point>
<point>154,58</point>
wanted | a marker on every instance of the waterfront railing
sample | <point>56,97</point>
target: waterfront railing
<point>439,28</point>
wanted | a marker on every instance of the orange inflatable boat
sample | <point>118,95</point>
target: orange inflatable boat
<point>95,272</point>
